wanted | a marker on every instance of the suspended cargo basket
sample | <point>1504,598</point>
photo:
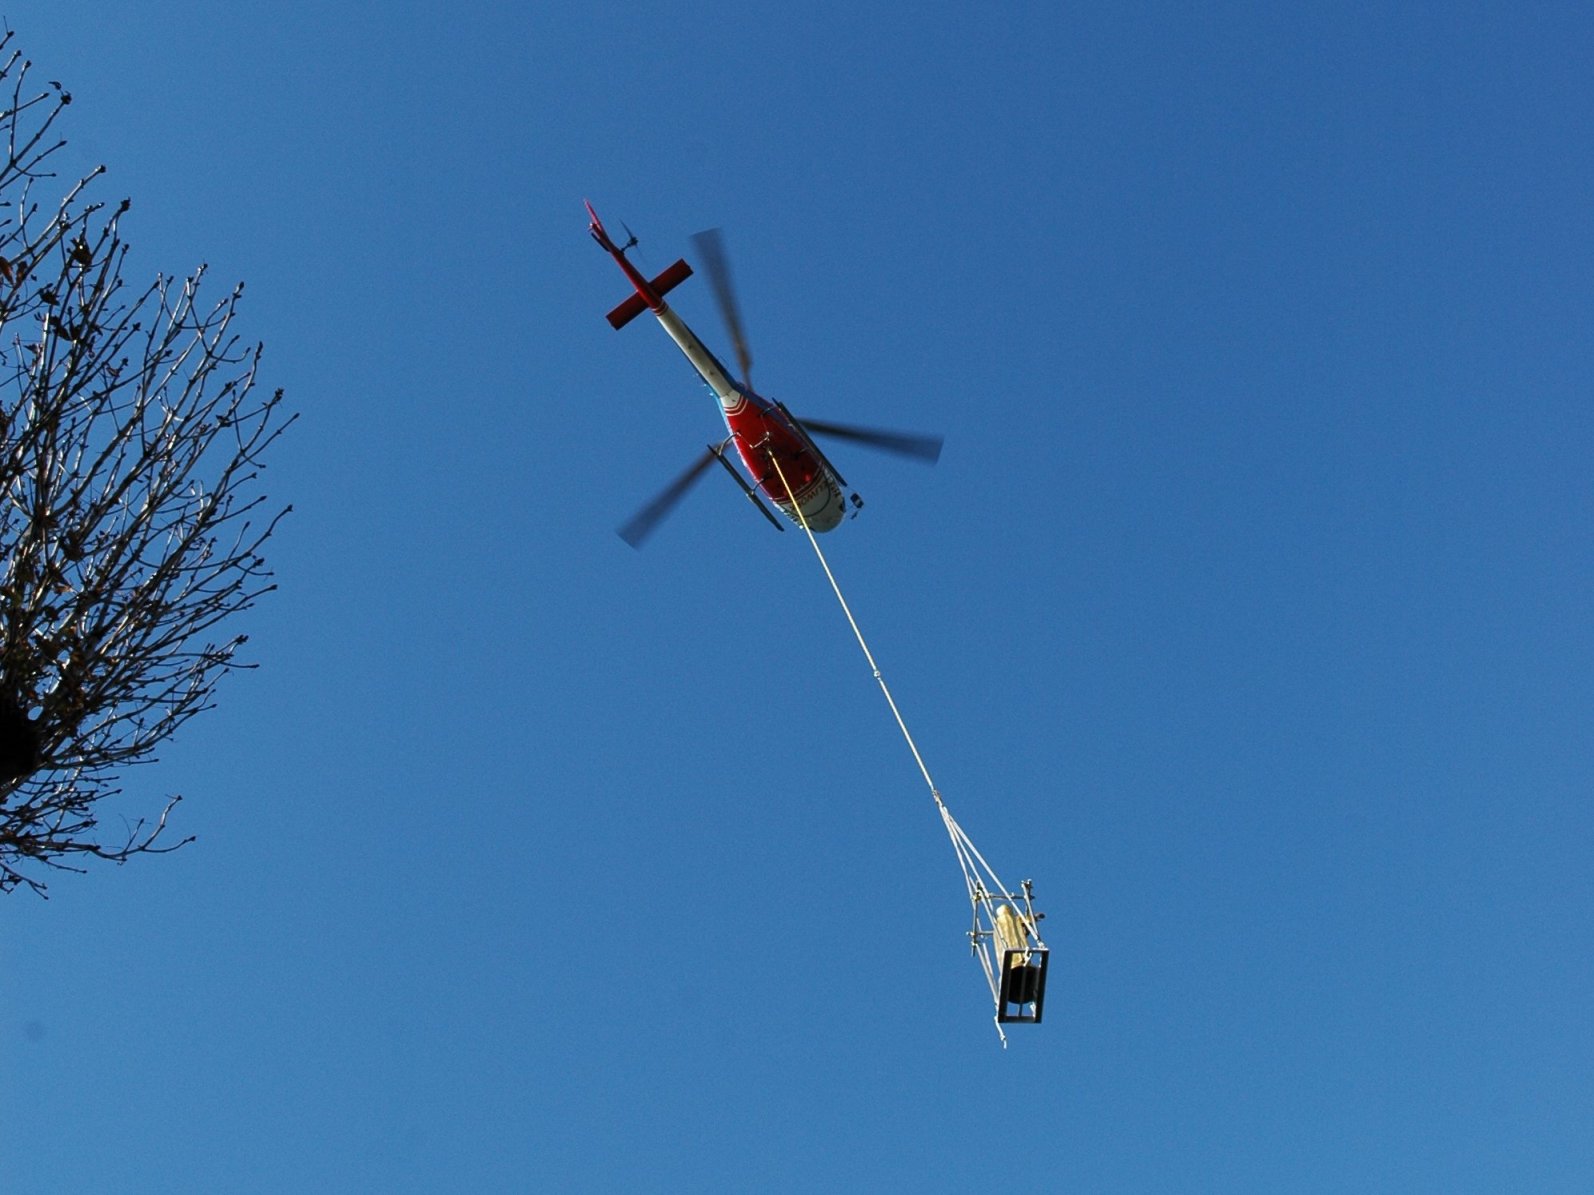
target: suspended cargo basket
<point>1005,936</point>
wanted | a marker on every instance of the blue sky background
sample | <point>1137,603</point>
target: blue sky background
<point>1247,610</point>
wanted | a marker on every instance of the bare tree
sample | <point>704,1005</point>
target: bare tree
<point>131,436</point>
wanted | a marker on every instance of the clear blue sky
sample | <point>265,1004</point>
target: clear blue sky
<point>1247,610</point>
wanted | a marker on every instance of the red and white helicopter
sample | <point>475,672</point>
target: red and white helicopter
<point>777,450</point>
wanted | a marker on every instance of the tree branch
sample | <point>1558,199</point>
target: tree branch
<point>131,443</point>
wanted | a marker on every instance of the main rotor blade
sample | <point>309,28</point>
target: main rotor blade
<point>716,265</point>
<point>925,448</point>
<point>641,525</point>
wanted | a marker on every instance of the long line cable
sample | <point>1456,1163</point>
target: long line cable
<point>969,857</point>
<point>984,886</point>
<point>853,622</point>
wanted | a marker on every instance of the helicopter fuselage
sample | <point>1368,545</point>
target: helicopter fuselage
<point>764,438</point>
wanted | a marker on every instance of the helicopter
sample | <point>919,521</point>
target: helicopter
<point>788,470</point>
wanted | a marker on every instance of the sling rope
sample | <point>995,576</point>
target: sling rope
<point>853,622</point>
<point>984,887</point>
